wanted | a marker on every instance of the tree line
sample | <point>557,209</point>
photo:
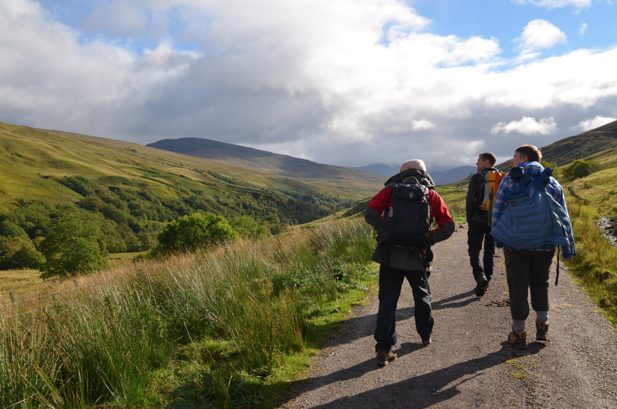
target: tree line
<point>115,214</point>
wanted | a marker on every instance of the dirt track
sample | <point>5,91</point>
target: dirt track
<point>467,366</point>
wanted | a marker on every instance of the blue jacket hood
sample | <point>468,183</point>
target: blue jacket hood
<point>532,168</point>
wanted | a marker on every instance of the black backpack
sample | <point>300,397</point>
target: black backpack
<point>408,220</point>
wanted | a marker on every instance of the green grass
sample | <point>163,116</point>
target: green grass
<point>229,328</point>
<point>600,188</point>
<point>595,266</point>
<point>454,196</point>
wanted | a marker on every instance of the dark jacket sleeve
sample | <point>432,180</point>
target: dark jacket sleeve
<point>473,190</point>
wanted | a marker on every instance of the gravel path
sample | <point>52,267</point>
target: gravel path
<point>468,366</point>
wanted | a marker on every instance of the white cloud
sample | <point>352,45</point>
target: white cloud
<point>341,82</point>
<point>538,35</point>
<point>422,125</point>
<point>582,30</point>
<point>527,126</point>
<point>551,4</point>
<point>595,122</point>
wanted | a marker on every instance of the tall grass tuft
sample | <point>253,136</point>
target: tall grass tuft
<point>101,340</point>
<point>596,260</point>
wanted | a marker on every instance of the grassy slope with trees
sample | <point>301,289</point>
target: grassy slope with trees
<point>121,194</point>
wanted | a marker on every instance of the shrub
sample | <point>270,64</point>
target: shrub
<point>72,247</point>
<point>579,169</point>
<point>249,228</point>
<point>19,252</point>
<point>193,231</point>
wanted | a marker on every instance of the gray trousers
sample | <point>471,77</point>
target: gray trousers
<point>527,272</point>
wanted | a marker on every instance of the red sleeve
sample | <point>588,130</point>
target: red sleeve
<point>381,201</point>
<point>439,211</point>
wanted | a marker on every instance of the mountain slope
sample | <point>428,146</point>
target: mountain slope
<point>130,191</point>
<point>582,145</point>
<point>31,157</point>
<point>577,146</point>
<point>259,160</point>
<point>289,166</point>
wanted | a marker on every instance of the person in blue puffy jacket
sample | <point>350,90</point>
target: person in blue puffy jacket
<point>527,269</point>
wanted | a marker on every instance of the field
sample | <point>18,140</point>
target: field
<point>227,328</point>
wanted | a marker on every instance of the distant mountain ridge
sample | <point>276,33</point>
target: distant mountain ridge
<point>441,177</point>
<point>259,160</point>
<point>380,169</point>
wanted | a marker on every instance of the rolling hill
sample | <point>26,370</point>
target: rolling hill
<point>288,166</point>
<point>260,160</point>
<point>582,145</point>
<point>131,190</point>
<point>577,146</point>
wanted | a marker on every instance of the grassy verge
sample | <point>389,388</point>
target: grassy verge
<point>595,265</point>
<point>454,195</point>
<point>229,328</point>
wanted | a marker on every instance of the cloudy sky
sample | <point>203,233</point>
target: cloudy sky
<point>347,82</point>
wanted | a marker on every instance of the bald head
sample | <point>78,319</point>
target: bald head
<point>413,164</point>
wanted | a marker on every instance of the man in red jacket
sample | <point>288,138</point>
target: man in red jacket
<point>403,248</point>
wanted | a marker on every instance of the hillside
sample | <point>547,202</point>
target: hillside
<point>600,187</point>
<point>577,146</point>
<point>29,154</point>
<point>260,160</point>
<point>130,191</point>
<point>582,145</point>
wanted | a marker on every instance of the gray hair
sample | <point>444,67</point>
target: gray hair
<point>413,164</point>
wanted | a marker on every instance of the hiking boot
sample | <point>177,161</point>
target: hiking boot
<point>542,331</point>
<point>426,341</point>
<point>518,340</point>
<point>481,287</point>
<point>384,357</point>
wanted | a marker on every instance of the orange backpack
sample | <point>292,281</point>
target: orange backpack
<point>492,179</point>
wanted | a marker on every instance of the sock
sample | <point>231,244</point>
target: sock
<point>518,326</point>
<point>542,317</point>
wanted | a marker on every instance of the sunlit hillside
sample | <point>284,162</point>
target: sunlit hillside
<point>31,158</point>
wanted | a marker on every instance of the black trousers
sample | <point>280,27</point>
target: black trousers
<point>477,233</point>
<point>390,283</point>
<point>527,273</point>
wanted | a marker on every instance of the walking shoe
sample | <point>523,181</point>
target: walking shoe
<point>518,340</point>
<point>384,357</point>
<point>542,331</point>
<point>426,341</point>
<point>481,287</point>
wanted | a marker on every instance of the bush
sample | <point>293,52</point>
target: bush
<point>249,228</point>
<point>72,247</point>
<point>191,232</point>
<point>579,169</point>
<point>19,252</point>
